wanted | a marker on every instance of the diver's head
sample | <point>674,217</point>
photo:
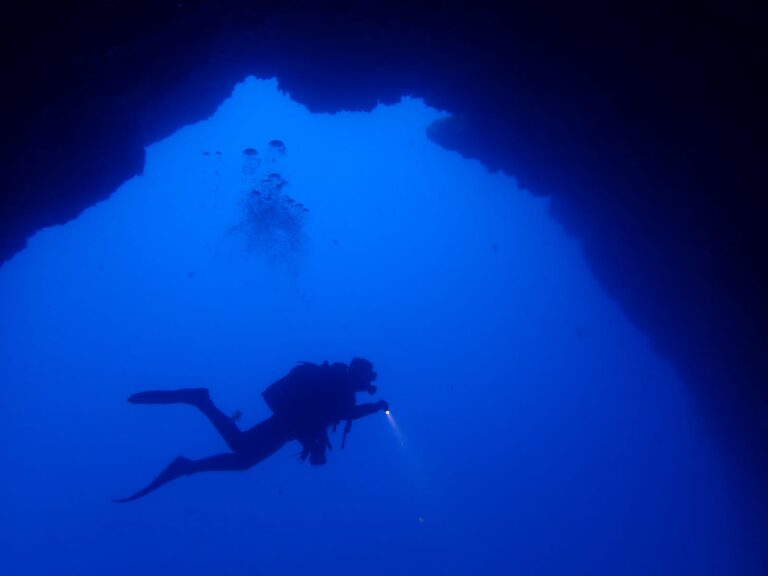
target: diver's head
<point>362,373</point>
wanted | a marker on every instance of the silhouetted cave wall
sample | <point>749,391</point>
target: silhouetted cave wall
<point>645,124</point>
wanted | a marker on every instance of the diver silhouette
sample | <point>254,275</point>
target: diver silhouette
<point>305,403</point>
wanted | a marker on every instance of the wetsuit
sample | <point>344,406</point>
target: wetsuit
<point>308,424</point>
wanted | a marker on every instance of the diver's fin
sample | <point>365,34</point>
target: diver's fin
<point>182,396</point>
<point>177,468</point>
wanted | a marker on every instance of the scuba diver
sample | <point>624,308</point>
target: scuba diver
<point>305,403</point>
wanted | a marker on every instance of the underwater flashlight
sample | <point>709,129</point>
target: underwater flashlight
<point>387,412</point>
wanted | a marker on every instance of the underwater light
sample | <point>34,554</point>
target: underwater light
<point>395,427</point>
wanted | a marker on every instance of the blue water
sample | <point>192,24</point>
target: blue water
<point>534,430</point>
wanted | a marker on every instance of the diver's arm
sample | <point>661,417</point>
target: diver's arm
<point>361,410</point>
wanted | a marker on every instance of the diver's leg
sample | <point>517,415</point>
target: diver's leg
<point>224,425</point>
<point>184,467</point>
<point>257,443</point>
<point>178,467</point>
<point>264,439</point>
<point>201,399</point>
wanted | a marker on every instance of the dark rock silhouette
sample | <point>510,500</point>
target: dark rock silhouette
<point>644,123</point>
